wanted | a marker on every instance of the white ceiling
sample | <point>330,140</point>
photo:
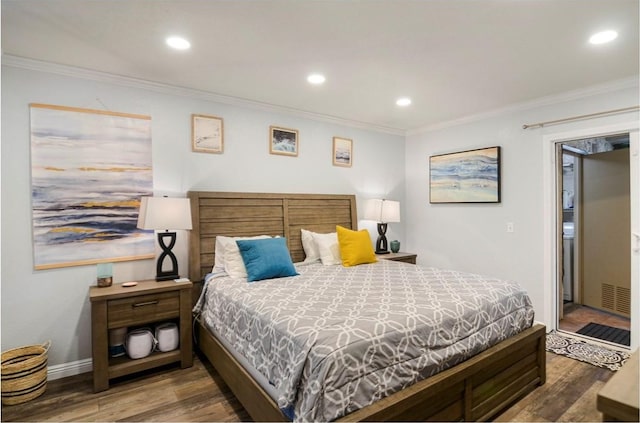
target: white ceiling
<point>454,58</point>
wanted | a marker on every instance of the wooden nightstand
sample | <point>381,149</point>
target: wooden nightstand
<point>405,257</point>
<point>147,302</point>
<point>618,399</point>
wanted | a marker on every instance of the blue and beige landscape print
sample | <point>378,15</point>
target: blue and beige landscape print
<point>88,170</point>
<point>465,177</point>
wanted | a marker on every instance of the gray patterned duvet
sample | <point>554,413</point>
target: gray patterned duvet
<point>335,339</point>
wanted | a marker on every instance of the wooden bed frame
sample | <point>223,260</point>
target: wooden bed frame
<point>477,389</point>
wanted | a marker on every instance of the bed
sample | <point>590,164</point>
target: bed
<point>475,389</point>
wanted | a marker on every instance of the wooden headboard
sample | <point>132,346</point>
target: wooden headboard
<point>251,214</point>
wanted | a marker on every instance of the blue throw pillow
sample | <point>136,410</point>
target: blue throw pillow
<point>266,258</point>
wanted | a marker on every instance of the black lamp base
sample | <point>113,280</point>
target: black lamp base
<point>381,242</point>
<point>172,273</point>
<point>166,278</point>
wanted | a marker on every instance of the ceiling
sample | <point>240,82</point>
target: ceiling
<point>453,58</point>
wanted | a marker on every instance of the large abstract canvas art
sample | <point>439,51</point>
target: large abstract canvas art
<point>465,177</point>
<point>89,169</point>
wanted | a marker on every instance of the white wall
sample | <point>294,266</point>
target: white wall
<point>473,237</point>
<point>53,304</point>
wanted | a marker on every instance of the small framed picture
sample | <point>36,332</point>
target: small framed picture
<point>207,134</point>
<point>342,152</point>
<point>283,141</point>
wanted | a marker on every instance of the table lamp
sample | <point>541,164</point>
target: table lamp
<point>383,212</point>
<point>164,213</point>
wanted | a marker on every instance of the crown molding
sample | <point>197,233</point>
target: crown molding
<point>632,82</point>
<point>93,75</point>
<point>76,72</point>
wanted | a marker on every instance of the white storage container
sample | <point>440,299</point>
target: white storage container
<point>168,337</point>
<point>140,343</point>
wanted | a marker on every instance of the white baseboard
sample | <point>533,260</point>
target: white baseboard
<point>539,322</point>
<point>59,371</point>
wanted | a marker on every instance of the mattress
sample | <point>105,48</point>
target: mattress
<point>335,339</point>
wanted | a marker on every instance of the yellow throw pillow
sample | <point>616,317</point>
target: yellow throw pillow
<point>355,247</point>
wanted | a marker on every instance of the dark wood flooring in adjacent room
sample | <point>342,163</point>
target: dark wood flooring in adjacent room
<point>577,316</point>
<point>198,394</point>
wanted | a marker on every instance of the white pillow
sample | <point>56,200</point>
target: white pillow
<point>230,258</point>
<point>328,248</point>
<point>218,264</point>
<point>309,246</point>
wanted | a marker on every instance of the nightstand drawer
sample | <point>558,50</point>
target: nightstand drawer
<point>143,309</point>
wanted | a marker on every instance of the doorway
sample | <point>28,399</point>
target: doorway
<point>594,226</point>
<point>552,230</point>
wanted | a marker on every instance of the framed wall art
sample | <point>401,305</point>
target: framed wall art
<point>283,141</point>
<point>207,134</point>
<point>89,169</point>
<point>465,177</point>
<point>342,152</point>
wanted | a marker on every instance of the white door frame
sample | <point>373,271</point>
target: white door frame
<point>550,217</point>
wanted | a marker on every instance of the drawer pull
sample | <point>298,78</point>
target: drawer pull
<point>145,303</point>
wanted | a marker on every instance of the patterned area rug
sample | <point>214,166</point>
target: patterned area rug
<point>589,353</point>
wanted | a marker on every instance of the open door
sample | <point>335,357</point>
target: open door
<point>553,223</point>
<point>560,250</point>
<point>634,145</point>
<point>594,215</point>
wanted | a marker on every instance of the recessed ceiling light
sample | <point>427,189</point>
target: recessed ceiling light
<point>603,37</point>
<point>403,101</point>
<point>316,79</point>
<point>178,43</point>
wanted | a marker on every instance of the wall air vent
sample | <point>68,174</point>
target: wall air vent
<point>623,300</point>
<point>608,296</point>
<point>616,299</point>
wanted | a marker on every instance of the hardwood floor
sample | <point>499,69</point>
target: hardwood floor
<point>568,396</point>
<point>166,394</point>
<point>198,394</point>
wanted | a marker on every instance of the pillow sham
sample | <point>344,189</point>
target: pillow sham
<point>218,263</point>
<point>232,263</point>
<point>266,258</point>
<point>311,253</point>
<point>355,247</point>
<point>328,248</point>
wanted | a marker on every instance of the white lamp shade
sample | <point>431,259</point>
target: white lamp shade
<point>383,211</point>
<point>164,213</point>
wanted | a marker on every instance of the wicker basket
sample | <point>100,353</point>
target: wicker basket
<point>24,373</point>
